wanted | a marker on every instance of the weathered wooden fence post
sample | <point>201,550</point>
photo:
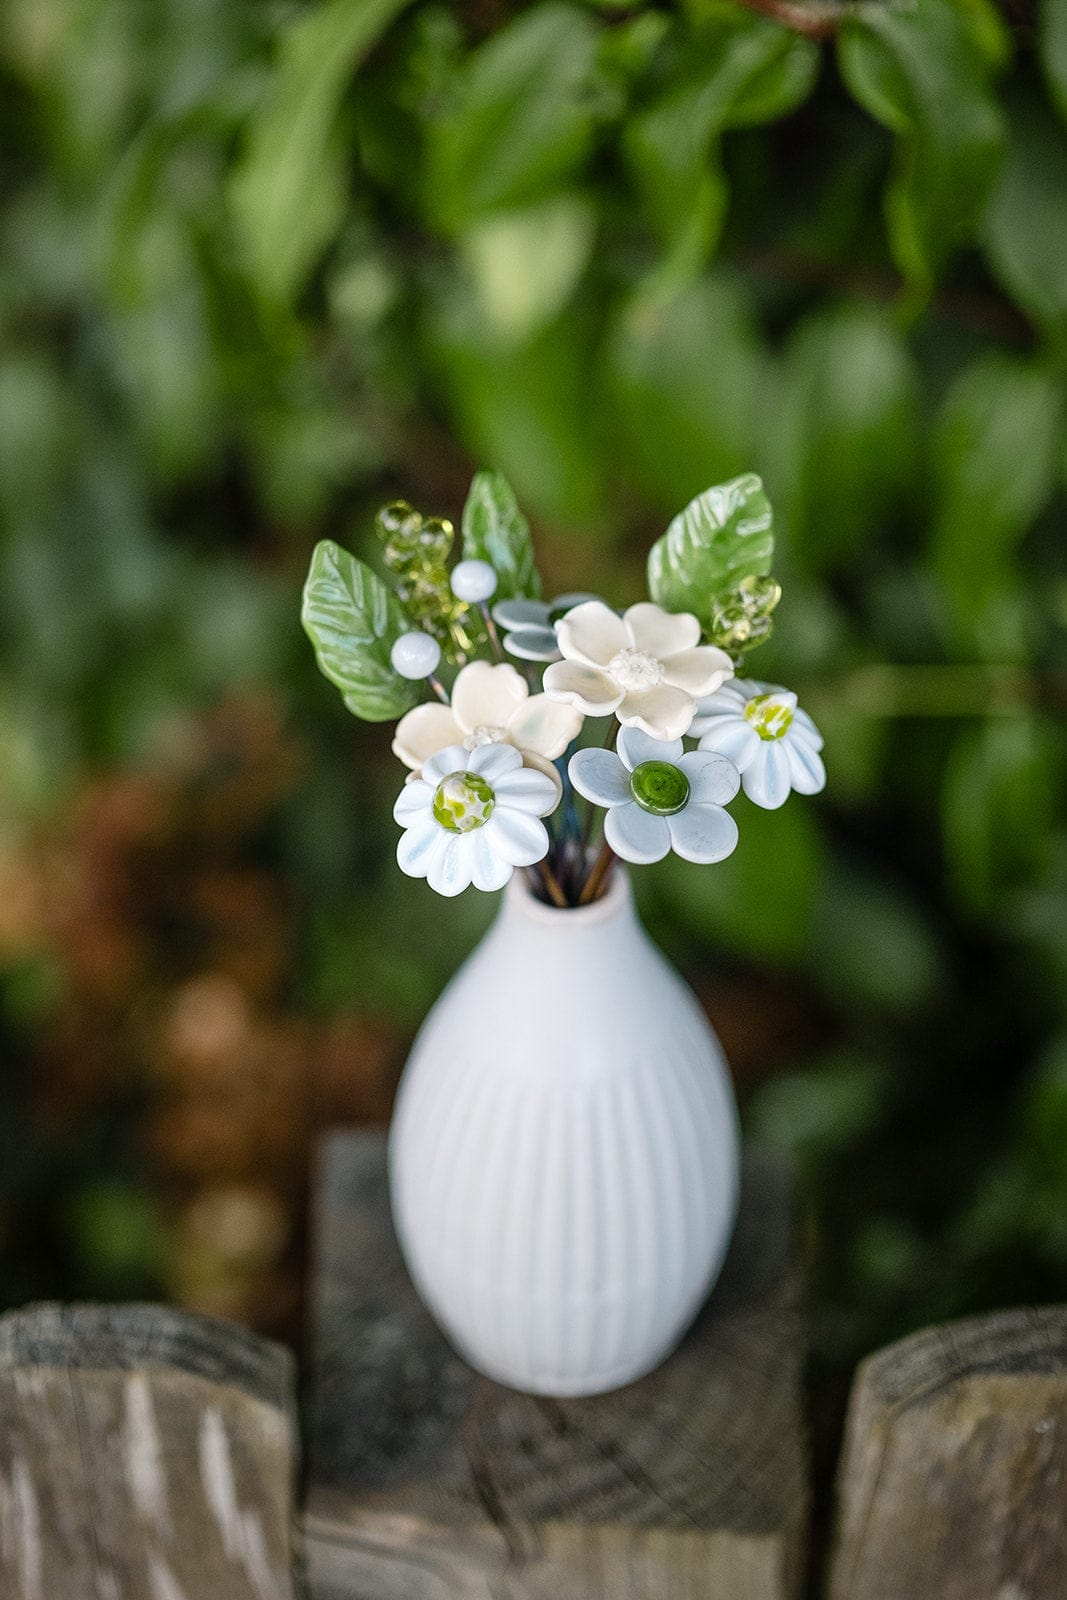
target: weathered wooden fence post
<point>430,1483</point>
<point>144,1455</point>
<point>953,1481</point>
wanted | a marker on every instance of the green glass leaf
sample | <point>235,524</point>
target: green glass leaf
<point>924,72</point>
<point>352,620</point>
<point>721,536</point>
<point>1026,223</point>
<point>495,530</point>
<point>521,119</point>
<point>289,192</point>
<point>743,72</point>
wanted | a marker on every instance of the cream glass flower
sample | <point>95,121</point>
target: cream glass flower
<point>473,817</point>
<point>647,666</point>
<point>659,799</point>
<point>772,742</point>
<point>490,705</point>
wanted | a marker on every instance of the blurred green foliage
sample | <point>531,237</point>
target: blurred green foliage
<point>266,265</point>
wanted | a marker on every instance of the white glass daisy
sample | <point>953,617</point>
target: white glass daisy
<point>771,741</point>
<point>490,705</point>
<point>659,798</point>
<point>647,666</point>
<point>473,817</point>
<point>530,625</point>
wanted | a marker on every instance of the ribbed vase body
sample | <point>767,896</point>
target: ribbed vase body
<point>564,1152</point>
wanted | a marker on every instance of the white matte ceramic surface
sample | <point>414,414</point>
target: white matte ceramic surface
<point>564,1153</point>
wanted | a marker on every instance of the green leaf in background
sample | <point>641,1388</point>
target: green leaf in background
<point>722,536</point>
<point>871,946</point>
<point>684,369</point>
<point>759,901</point>
<point>495,530</point>
<point>924,72</point>
<point>352,620</point>
<point>997,806</point>
<point>846,434</point>
<point>288,191</point>
<point>823,1107</point>
<point>1052,47</point>
<point>1026,223</point>
<point>746,70</point>
<point>521,120</point>
<point>525,264</point>
<point>995,445</point>
<point>530,408</point>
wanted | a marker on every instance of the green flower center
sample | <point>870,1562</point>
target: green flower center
<point>771,714</point>
<point>659,787</point>
<point>462,802</point>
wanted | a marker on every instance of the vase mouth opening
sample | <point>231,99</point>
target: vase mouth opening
<point>616,898</point>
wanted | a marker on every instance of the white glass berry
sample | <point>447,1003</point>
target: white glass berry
<point>415,655</point>
<point>473,581</point>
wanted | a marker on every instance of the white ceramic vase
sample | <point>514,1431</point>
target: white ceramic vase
<point>564,1152</point>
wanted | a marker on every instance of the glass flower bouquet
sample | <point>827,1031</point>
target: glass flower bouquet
<point>564,1153</point>
<point>496,776</point>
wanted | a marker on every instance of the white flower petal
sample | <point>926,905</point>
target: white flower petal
<point>727,700</point>
<point>661,633</point>
<point>539,764</point>
<point>664,712</point>
<point>806,769</point>
<point>635,746</point>
<point>591,690</point>
<point>494,761</point>
<point>713,778</point>
<point>601,776</point>
<point>732,737</point>
<point>592,633</point>
<point>528,790</point>
<point>700,671</point>
<point>488,870</point>
<point>533,644</point>
<point>414,800</point>
<point>702,833</point>
<point>416,846</point>
<point>767,779</point>
<point>636,835</point>
<point>544,725</point>
<point>453,758</point>
<point>516,837</point>
<point>567,602</point>
<point>802,724</point>
<point>450,866</point>
<point>521,613</point>
<point>423,731</point>
<point>485,696</point>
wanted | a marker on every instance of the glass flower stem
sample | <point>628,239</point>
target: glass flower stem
<point>551,883</point>
<point>439,689</point>
<point>490,628</point>
<point>595,881</point>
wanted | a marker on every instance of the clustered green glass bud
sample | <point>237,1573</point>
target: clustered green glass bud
<point>416,550</point>
<point>742,618</point>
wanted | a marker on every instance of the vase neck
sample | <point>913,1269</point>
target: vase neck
<point>610,917</point>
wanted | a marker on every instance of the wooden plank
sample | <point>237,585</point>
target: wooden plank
<point>953,1481</point>
<point>144,1455</point>
<point>426,1480</point>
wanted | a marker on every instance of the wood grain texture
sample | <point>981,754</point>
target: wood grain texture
<point>953,1480</point>
<point>144,1455</point>
<point>426,1480</point>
